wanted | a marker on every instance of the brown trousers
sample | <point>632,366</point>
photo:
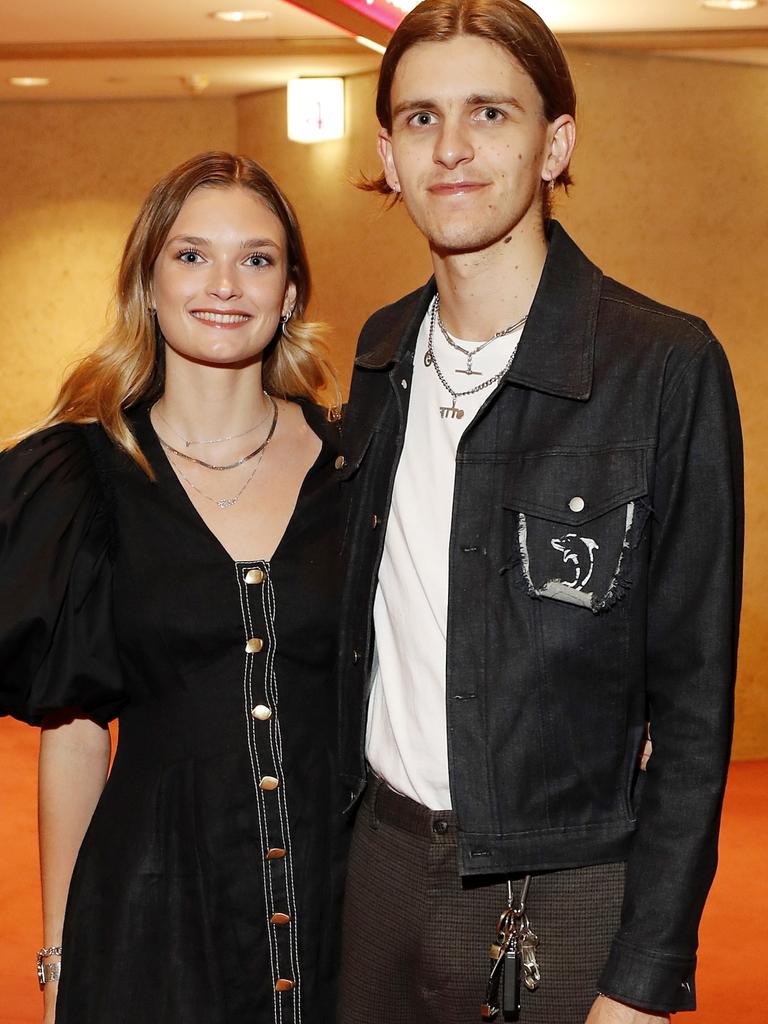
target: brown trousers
<point>416,937</point>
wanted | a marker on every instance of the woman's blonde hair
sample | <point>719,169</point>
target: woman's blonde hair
<point>128,367</point>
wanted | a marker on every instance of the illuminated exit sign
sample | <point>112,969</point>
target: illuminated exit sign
<point>388,13</point>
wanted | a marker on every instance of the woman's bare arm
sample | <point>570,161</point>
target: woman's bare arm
<point>74,759</point>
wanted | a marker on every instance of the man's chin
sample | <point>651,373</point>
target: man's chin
<point>462,242</point>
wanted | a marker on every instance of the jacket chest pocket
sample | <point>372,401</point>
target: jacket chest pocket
<point>577,517</point>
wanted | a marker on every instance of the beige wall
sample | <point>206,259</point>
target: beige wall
<point>71,178</point>
<point>671,186</point>
<point>671,174</point>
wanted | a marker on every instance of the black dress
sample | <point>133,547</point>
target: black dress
<point>207,888</point>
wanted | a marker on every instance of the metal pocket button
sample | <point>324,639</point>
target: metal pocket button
<point>576,504</point>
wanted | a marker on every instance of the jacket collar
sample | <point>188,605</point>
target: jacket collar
<point>556,352</point>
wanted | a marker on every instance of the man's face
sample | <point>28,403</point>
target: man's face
<point>469,144</point>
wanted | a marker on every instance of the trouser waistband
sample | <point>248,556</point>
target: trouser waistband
<point>392,808</point>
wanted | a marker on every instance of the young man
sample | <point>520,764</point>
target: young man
<point>544,543</point>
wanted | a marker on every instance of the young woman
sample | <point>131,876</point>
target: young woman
<point>169,553</point>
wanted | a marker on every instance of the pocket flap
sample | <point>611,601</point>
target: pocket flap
<point>575,488</point>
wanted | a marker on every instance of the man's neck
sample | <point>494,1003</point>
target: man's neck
<point>484,292</point>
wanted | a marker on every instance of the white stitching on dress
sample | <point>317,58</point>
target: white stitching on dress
<point>256,774</point>
<point>268,604</point>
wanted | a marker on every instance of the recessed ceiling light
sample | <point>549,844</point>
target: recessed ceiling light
<point>240,15</point>
<point>28,82</point>
<point>730,5</point>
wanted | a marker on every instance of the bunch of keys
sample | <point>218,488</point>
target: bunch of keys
<point>513,959</point>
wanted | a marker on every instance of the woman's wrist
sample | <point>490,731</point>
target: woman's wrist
<point>48,965</point>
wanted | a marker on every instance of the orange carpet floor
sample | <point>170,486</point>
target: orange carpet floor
<point>733,971</point>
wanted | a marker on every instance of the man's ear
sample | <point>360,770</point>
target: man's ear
<point>562,139</point>
<point>384,146</point>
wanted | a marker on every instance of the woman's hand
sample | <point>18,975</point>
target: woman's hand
<point>49,996</point>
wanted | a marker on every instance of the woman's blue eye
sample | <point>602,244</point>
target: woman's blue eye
<point>189,256</point>
<point>258,259</point>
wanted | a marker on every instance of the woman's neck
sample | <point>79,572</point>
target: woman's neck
<point>201,402</point>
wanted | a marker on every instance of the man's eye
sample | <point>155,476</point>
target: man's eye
<point>422,118</point>
<point>492,114</point>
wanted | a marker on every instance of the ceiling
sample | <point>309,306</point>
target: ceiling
<point>103,49</point>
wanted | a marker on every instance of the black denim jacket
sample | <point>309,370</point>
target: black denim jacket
<point>595,569</point>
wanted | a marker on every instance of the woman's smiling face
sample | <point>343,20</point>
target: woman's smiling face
<point>220,282</point>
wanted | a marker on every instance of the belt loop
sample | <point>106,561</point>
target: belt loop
<point>375,782</point>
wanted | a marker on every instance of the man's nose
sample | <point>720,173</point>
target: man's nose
<point>453,145</point>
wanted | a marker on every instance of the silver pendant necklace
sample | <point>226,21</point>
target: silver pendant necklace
<point>229,465</point>
<point>471,353</point>
<point>454,411</point>
<point>222,502</point>
<point>214,440</point>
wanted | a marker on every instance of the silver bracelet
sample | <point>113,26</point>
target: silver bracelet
<point>48,972</point>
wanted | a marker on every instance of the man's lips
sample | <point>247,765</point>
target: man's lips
<point>455,188</point>
<point>221,318</point>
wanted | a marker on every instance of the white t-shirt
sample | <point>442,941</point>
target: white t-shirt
<point>407,739</point>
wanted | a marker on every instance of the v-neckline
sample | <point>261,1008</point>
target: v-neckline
<point>158,458</point>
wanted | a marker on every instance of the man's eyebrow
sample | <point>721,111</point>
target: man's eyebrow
<point>475,100</point>
<point>407,106</point>
<point>492,99</point>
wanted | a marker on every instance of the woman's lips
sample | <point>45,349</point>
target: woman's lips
<point>214,318</point>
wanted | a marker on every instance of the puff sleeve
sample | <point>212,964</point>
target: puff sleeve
<point>57,644</point>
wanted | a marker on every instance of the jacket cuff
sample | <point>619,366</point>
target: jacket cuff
<point>652,981</point>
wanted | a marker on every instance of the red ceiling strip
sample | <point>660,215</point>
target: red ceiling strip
<point>385,12</point>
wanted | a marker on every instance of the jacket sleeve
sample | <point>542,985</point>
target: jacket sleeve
<point>694,595</point>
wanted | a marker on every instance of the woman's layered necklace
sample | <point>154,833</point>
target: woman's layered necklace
<point>257,453</point>
<point>455,411</point>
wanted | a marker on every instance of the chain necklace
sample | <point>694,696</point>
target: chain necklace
<point>222,502</point>
<point>229,465</point>
<point>471,353</point>
<point>215,440</point>
<point>453,411</point>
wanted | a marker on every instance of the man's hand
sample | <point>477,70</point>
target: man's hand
<point>608,1011</point>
